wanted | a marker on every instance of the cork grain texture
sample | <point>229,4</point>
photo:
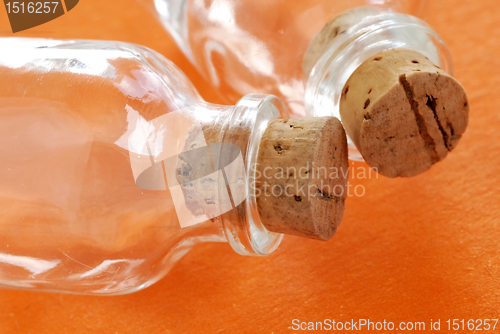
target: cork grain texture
<point>410,249</point>
<point>327,35</point>
<point>403,112</point>
<point>303,169</point>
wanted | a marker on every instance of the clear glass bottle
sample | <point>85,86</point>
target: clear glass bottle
<point>86,132</point>
<point>261,46</point>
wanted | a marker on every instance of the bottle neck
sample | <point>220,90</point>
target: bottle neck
<point>216,171</point>
<point>244,129</point>
<point>366,33</point>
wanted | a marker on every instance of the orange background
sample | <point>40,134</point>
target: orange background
<point>409,250</point>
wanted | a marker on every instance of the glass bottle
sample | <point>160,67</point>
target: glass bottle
<point>249,45</point>
<point>90,133</point>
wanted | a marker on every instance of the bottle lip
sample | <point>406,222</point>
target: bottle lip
<point>373,34</point>
<point>242,226</point>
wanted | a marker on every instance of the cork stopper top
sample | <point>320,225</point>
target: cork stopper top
<point>301,176</point>
<point>403,112</point>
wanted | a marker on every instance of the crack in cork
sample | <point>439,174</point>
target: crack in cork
<point>431,103</point>
<point>422,128</point>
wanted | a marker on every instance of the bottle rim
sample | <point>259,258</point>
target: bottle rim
<point>246,234</point>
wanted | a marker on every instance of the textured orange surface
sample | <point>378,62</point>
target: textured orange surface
<point>409,250</point>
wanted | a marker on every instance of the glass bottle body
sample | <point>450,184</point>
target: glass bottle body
<point>81,125</point>
<point>258,46</point>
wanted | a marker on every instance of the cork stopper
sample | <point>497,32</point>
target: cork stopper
<point>301,176</point>
<point>402,112</point>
